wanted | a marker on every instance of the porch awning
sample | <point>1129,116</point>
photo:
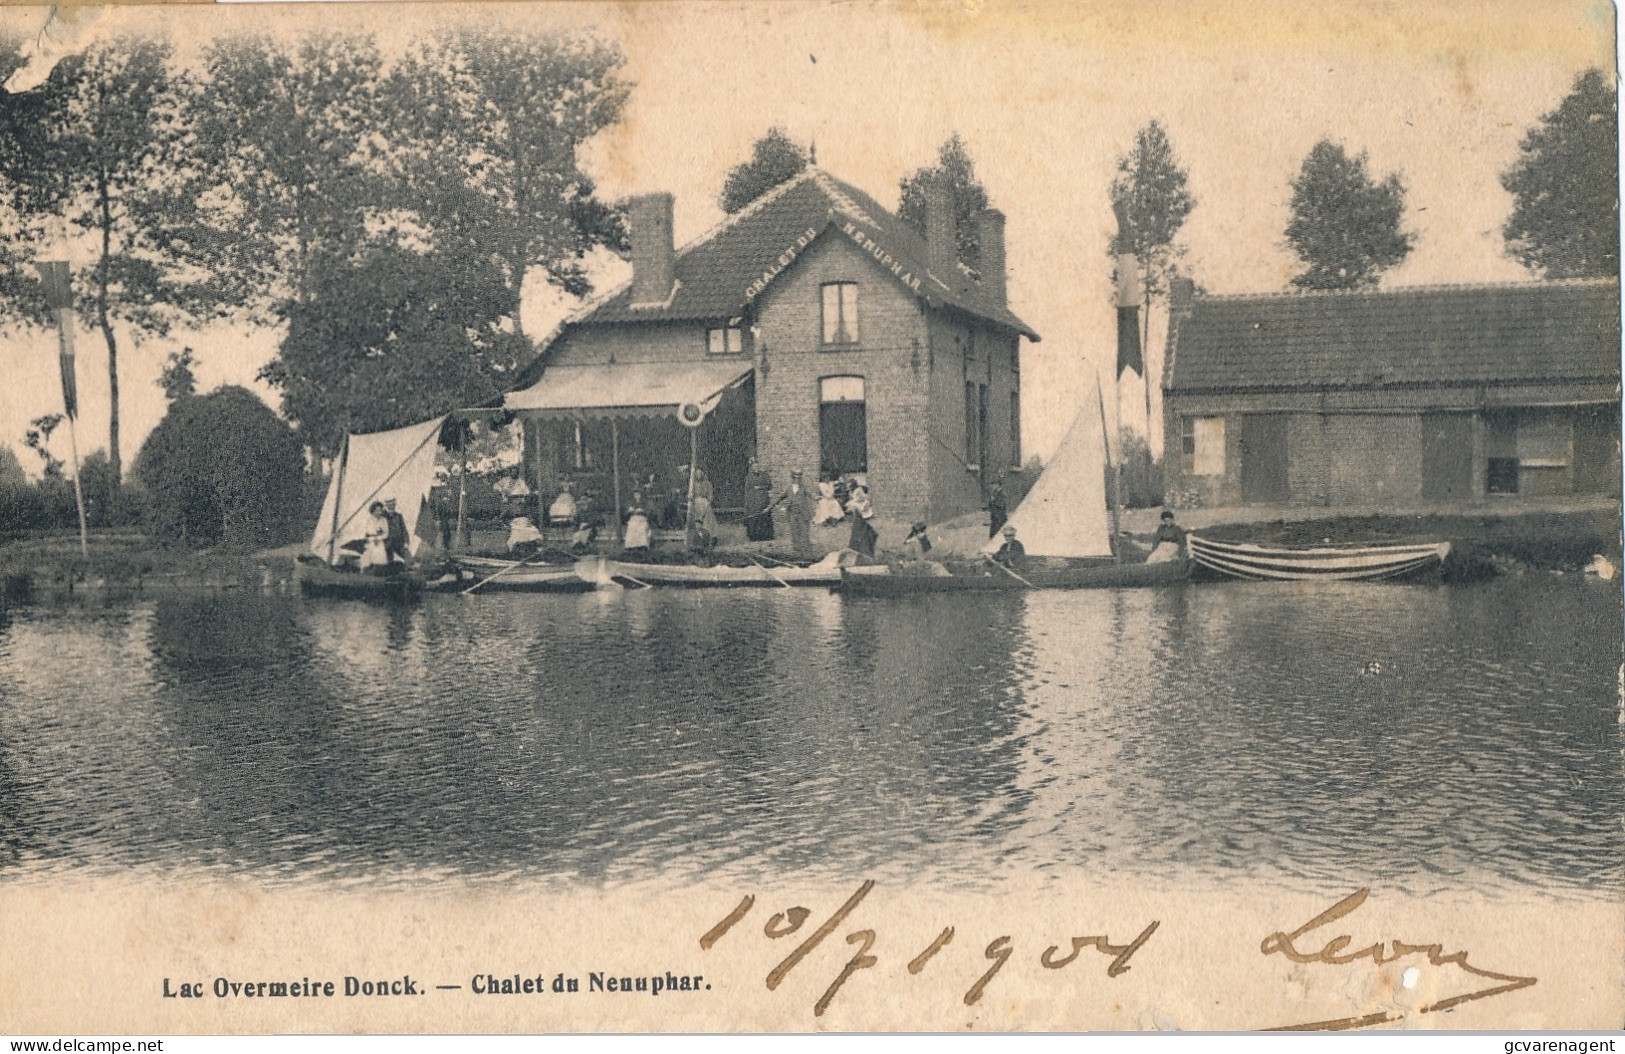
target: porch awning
<point>631,389</point>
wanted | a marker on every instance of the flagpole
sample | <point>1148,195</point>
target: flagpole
<point>59,295</point>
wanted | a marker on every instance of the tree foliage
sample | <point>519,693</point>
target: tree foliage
<point>1151,201</point>
<point>1565,187</point>
<point>11,469</point>
<point>221,467</point>
<point>286,172</point>
<point>775,158</point>
<point>1345,226</point>
<point>955,168</point>
<point>486,130</point>
<point>95,148</point>
<point>38,439</point>
<point>395,337</point>
<point>176,378</point>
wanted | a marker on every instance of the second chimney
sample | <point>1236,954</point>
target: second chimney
<point>941,232</point>
<point>990,235</point>
<point>654,253</point>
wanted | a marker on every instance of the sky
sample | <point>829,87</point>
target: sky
<point>1046,95</point>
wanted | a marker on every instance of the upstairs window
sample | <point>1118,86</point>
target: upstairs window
<point>841,313</point>
<point>725,340</point>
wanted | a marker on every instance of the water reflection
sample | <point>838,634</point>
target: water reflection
<point>1417,736</point>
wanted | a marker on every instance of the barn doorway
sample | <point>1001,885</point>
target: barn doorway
<point>1264,459</point>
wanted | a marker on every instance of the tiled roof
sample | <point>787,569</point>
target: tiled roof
<point>1485,334</point>
<point>717,273</point>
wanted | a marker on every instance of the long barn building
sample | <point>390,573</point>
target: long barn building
<point>1403,398</point>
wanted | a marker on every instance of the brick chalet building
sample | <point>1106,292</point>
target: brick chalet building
<point>814,330</point>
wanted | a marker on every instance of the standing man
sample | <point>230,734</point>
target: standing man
<point>397,539</point>
<point>798,507</point>
<point>998,509</point>
<point>758,503</point>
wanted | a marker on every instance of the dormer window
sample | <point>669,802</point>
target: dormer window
<point>725,340</point>
<point>841,313</point>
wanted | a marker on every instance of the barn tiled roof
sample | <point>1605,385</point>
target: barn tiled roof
<point>716,272</point>
<point>1484,334</point>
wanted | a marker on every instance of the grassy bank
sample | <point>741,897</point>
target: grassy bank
<point>126,559</point>
<point>1480,545</point>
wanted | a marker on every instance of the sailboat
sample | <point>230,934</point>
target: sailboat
<point>1063,524</point>
<point>396,465</point>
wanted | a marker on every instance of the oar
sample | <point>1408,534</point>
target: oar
<point>504,570</point>
<point>1008,571</point>
<point>768,569</point>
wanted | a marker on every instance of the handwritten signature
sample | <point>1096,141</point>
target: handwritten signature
<point>999,951</point>
<point>1332,954</point>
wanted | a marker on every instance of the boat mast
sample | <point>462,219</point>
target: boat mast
<point>1117,479</point>
<point>338,499</point>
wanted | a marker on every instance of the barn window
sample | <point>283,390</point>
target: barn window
<point>1202,446</point>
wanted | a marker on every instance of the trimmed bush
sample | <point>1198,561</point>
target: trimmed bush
<point>221,468</point>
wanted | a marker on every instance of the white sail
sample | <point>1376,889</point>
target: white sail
<point>1065,513</point>
<point>379,466</point>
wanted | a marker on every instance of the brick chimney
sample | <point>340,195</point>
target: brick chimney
<point>654,254</point>
<point>1181,291</point>
<point>990,235</point>
<point>941,231</point>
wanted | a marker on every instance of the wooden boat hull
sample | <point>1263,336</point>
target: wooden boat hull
<point>882,582</point>
<point>319,580</point>
<point>1328,563</point>
<point>513,576</point>
<point>691,576</point>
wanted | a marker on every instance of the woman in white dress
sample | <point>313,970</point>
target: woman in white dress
<point>637,525</point>
<point>828,509</point>
<point>375,555</point>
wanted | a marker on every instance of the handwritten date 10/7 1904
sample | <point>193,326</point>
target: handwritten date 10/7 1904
<point>1294,946</point>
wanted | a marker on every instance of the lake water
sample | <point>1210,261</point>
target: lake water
<point>1423,737</point>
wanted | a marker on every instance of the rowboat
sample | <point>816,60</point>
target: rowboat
<point>317,579</point>
<point>492,574</point>
<point>885,582</point>
<point>824,573</point>
<point>1325,563</point>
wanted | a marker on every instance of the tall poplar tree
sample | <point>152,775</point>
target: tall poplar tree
<point>954,167</point>
<point>1565,187</point>
<point>1345,226</point>
<point>486,129</point>
<point>287,171</point>
<point>1151,200</point>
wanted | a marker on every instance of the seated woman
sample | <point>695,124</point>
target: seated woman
<point>562,513</point>
<point>917,559</point>
<point>1170,541</point>
<point>523,537</point>
<point>828,511</point>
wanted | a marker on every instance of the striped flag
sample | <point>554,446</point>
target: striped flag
<point>1129,356</point>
